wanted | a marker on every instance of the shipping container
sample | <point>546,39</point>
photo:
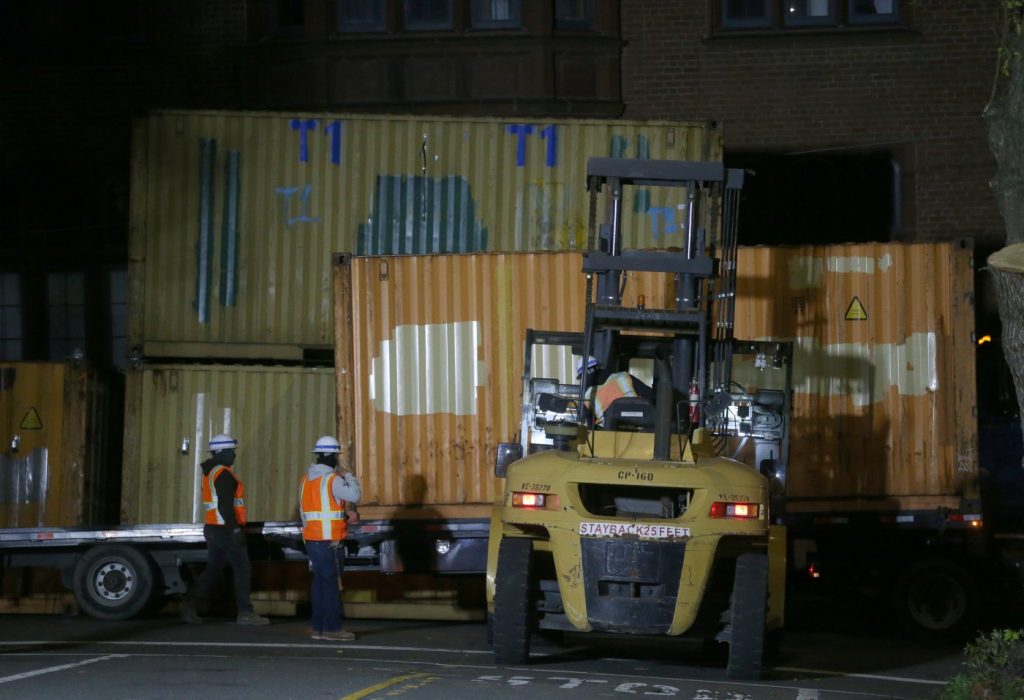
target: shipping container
<point>275,412</point>
<point>61,441</point>
<point>429,366</point>
<point>235,216</point>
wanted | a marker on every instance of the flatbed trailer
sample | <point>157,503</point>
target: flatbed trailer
<point>120,572</point>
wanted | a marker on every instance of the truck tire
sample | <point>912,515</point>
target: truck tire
<point>747,617</point>
<point>113,582</point>
<point>936,599</point>
<point>513,601</point>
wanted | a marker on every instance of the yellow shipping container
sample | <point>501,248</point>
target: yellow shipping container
<point>276,413</point>
<point>235,216</point>
<point>58,456</point>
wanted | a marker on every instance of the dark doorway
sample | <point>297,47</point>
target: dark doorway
<point>818,198</point>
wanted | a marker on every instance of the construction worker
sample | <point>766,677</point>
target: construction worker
<point>605,387</point>
<point>224,517</point>
<point>327,497</point>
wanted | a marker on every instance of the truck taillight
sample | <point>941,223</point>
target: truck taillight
<point>969,519</point>
<point>525,499</point>
<point>720,509</point>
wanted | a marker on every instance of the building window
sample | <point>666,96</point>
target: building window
<point>497,14</point>
<point>360,15</point>
<point>428,15</point>
<point>777,15</point>
<point>66,305</point>
<point>119,318</point>
<point>574,15</point>
<point>807,13</point>
<point>10,317</point>
<point>746,13</point>
<point>874,11</point>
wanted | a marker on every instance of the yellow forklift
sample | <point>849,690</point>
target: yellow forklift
<point>626,506</point>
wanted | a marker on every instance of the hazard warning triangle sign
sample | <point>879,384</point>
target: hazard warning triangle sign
<point>855,311</point>
<point>32,421</point>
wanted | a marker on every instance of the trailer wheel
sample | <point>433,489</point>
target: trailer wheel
<point>936,599</point>
<point>113,583</point>
<point>747,617</point>
<point>512,601</point>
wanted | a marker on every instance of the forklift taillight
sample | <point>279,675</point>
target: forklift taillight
<point>720,509</point>
<point>524,499</point>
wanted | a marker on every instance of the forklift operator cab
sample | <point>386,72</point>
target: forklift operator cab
<point>615,400</point>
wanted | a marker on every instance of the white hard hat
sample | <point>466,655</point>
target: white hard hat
<point>222,442</point>
<point>326,444</point>
<point>591,363</point>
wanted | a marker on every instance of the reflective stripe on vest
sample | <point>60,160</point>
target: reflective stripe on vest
<point>617,386</point>
<point>211,501</point>
<point>323,516</point>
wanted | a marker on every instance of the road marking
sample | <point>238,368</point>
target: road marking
<point>869,676</point>
<point>381,686</point>
<point>249,645</point>
<point>54,669</point>
<point>371,647</point>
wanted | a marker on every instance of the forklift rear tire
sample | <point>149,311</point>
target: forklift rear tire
<point>512,601</point>
<point>747,617</point>
<point>113,582</point>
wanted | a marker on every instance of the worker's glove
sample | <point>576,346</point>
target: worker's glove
<point>238,535</point>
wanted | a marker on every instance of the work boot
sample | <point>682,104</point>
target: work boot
<point>337,636</point>
<point>189,614</point>
<point>249,617</point>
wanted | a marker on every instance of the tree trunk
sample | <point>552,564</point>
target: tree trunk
<point>1005,118</point>
<point>1007,269</point>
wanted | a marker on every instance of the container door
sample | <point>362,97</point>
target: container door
<point>32,424</point>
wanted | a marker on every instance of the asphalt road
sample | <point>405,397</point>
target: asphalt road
<point>52,656</point>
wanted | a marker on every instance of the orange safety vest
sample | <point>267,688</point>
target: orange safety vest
<point>213,516</point>
<point>323,515</point>
<point>617,386</point>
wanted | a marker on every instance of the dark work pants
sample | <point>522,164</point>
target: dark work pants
<point>328,563</point>
<point>224,547</point>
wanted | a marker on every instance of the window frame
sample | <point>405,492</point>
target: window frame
<point>11,338</point>
<point>66,314</point>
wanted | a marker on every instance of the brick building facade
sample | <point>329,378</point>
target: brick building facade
<point>913,91</point>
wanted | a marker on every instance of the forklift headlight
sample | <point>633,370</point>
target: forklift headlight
<point>508,452</point>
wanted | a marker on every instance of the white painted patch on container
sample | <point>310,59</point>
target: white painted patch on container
<point>428,368</point>
<point>199,444</point>
<point>862,371</point>
<point>806,272</point>
<point>853,263</point>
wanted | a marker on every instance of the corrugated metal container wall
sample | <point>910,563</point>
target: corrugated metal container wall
<point>56,466</point>
<point>431,380</point>
<point>436,365</point>
<point>235,215</point>
<point>884,368</point>
<point>276,413</point>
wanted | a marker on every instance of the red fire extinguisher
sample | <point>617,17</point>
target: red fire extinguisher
<point>694,403</point>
